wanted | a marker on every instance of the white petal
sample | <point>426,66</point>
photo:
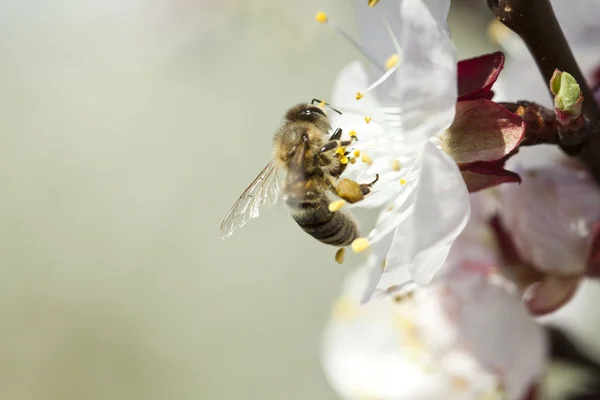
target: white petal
<point>550,216</point>
<point>440,211</point>
<point>453,341</point>
<point>423,89</point>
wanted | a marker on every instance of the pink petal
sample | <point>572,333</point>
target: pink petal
<point>477,75</point>
<point>482,131</point>
<point>550,294</point>
<point>478,181</point>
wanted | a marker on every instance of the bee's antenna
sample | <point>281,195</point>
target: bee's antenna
<point>327,104</point>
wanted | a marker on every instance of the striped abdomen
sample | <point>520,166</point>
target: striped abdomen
<point>313,215</point>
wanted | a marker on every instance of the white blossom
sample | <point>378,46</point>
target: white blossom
<point>468,337</point>
<point>421,193</point>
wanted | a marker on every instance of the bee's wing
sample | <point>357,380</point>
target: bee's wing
<point>263,190</point>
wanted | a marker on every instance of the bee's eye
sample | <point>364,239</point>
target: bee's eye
<point>312,111</point>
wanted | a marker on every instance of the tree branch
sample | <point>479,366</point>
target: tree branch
<point>534,21</point>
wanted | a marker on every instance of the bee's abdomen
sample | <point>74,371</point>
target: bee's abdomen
<point>334,228</point>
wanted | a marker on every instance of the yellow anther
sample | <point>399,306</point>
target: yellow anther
<point>361,244</point>
<point>336,205</point>
<point>392,61</point>
<point>339,255</point>
<point>340,151</point>
<point>403,181</point>
<point>366,159</point>
<point>396,165</point>
<point>321,17</point>
<point>373,3</point>
<point>367,119</point>
<point>460,384</point>
<point>352,134</point>
<point>322,104</point>
<point>352,160</point>
<point>356,153</point>
<point>344,160</point>
<point>359,95</point>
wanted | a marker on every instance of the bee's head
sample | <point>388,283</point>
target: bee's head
<point>308,113</point>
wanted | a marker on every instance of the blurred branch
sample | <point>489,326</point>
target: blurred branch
<point>534,21</point>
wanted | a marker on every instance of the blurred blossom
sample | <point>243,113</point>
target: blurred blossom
<point>397,107</point>
<point>465,338</point>
<point>552,220</point>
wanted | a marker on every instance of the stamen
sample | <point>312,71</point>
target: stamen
<point>352,160</point>
<point>324,19</point>
<point>392,61</point>
<point>359,95</point>
<point>403,181</point>
<point>356,153</point>
<point>381,79</point>
<point>395,41</point>
<point>367,119</point>
<point>352,134</point>
<point>339,255</point>
<point>366,159</point>
<point>396,165</point>
<point>340,151</point>
<point>336,205</point>
<point>344,160</point>
<point>361,244</point>
<point>321,17</point>
<point>373,3</point>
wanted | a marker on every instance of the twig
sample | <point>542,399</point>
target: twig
<point>534,21</point>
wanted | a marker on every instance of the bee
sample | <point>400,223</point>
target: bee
<point>312,163</point>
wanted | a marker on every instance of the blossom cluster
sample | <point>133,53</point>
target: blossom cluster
<point>445,304</point>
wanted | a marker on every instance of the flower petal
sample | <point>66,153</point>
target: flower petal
<point>477,75</point>
<point>440,211</point>
<point>550,216</point>
<point>482,131</point>
<point>476,181</point>
<point>550,294</point>
<point>421,93</point>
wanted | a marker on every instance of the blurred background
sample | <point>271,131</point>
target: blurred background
<point>128,128</point>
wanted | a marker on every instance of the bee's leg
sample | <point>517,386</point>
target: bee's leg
<point>336,135</point>
<point>334,144</point>
<point>366,187</point>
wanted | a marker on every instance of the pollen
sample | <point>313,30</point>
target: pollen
<point>359,95</point>
<point>392,61</point>
<point>322,104</point>
<point>340,151</point>
<point>344,160</point>
<point>396,165</point>
<point>373,3</point>
<point>361,244</point>
<point>460,384</point>
<point>336,205</point>
<point>366,159</point>
<point>321,17</point>
<point>352,134</point>
<point>339,255</point>
<point>356,153</point>
<point>403,181</point>
<point>367,119</point>
<point>352,160</point>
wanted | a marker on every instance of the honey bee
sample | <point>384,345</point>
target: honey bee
<point>312,162</point>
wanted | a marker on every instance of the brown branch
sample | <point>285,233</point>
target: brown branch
<point>534,21</point>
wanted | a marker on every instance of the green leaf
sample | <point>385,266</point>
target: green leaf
<point>566,90</point>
